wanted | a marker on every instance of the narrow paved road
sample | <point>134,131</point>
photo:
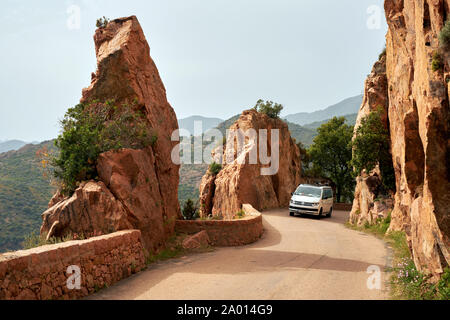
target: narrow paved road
<point>297,258</point>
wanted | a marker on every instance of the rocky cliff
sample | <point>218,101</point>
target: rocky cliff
<point>419,124</point>
<point>365,209</point>
<point>136,188</point>
<point>239,183</point>
<point>418,115</point>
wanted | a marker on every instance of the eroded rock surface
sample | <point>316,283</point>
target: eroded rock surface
<point>365,209</point>
<point>241,182</point>
<point>139,185</point>
<point>418,116</point>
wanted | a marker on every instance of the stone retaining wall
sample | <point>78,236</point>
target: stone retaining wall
<point>225,233</point>
<point>342,206</point>
<point>47,272</point>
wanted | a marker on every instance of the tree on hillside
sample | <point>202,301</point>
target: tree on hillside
<point>371,147</point>
<point>331,154</point>
<point>270,108</point>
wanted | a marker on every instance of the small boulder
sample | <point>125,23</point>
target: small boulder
<point>198,240</point>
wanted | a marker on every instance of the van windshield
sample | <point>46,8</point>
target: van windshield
<point>308,192</point>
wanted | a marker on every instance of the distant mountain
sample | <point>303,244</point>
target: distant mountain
<point>346,107</point>
<point>302,134</point>
<point>225,125</point>
<point>9,145</point>
<point>207,123</point>
<point>350,120</point>
<point>24,194</point>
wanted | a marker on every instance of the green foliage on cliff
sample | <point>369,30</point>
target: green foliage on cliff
<point>102,22</point>
<point>214,168</point>
<point>444,35</point>
<point>331,154</point>
<point>91,129</point>
<point>269,108</point>
<point>437,62</point>
<point>372,147</point>
<point>24,194</point>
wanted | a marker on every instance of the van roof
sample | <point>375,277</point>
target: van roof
<point>315,186</point>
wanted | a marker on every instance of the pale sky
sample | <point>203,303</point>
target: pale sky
<point>216,57</point>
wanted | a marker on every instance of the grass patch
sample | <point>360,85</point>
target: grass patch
<point>174,249</point>
<point>35,240</point>
<point>406,282</point>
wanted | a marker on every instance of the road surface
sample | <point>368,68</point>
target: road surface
<point>297,258</point>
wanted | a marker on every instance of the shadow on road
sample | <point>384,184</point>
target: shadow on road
<point>238,260</point>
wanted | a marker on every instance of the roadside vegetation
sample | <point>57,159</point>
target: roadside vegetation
<point>330,155</point>
<point>34,240</point>
<point>174,249</point>
<point>406,282</point>
<point>371,147</point>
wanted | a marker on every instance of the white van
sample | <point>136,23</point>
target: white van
<point>313,200</point>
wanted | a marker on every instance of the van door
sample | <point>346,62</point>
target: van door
<point>329,199</point>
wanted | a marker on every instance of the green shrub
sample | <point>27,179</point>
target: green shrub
<point>91,129</point>
<point>102,22</point>
<point>269,108</point>
<point>190,210</point>
<point>444,35</point>
<point>214,168</point>
<point>437,62</point>
<point>240,214</point>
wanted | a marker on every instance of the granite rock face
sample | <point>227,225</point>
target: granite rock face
<point>365,209</point>
<point>241,182</point>
<point>141,185</point>
<point>419,126</point>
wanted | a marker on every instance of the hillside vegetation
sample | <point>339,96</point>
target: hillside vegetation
<point>24,194</point>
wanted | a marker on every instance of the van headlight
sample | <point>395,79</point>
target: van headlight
<point>315,204</point>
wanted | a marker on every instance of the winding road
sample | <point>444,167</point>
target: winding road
<point>297,258</point>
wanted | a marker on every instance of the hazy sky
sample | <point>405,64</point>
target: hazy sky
<point>216,57</point>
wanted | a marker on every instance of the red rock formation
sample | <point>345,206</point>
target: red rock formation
<point>237,183</point>
<point>419,126</point>
<point>198,240</point>
<point>143,183</point>
<point>365,208</point>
